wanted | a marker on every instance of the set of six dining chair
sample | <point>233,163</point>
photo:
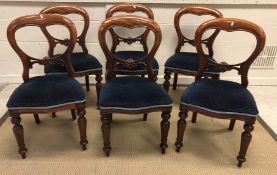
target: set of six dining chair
<point>137,91</point>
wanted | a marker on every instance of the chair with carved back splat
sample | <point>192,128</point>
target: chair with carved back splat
<point>131,94</point>
<point>186,63</point>
<point>126,54</point>
<point>83,63</point>
<point>219,98</point>
<point>48,93</point>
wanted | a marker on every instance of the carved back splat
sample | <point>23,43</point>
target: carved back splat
<point>230,25</point>
<point>195,11</point>
<point>42,20</point>
<point>129,8</point>
<point>65,10</point>
<point>129,21</point>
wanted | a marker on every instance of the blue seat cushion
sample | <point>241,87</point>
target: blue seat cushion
<point>46,91</point>
<point>131,92</point>
<point>136,55</point>
<point>220,96</point>
<point>186,61</point>
<point>81,62</point>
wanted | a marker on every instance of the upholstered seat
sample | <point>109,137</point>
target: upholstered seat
<point>46,91</point>
<point>136,55</point>
<point>133,92</point>
<point>186,61</point>
<point>221,97</point>
<point>81,62</point>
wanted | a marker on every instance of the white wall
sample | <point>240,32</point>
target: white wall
<point>228,46</point>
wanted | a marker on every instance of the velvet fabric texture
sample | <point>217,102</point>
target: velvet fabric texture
<point>131,92</point>
<point>187,61</point>
<point>220,96</point>
<point>80,61</point>
<point>136,55</point>
<point>46,91</point>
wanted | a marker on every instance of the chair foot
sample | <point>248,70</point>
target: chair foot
<point>175,81</point>
<point>145,117</point>
<point>37,120</point>
<point>194,117</point>
<point>165,125</point>
<point>87,82</point>
<point>82,123</point>
<point>181,126</point>
<point>106,118</point>
<point>53,115</point>
<point>232,124</point>
<point>166,83</point>
<point>245,141</point>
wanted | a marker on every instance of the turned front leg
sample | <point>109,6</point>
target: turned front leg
<point>82,123</point>
<point>19,134</point>
<point>106,119</point>
<point>181,126</point>
<point>98,79</point>
<point>245,141</point>
<point>165,125</point>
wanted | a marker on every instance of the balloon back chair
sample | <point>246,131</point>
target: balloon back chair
<point>47,93</point>
<point>84,64</point>
<point>132,94</point>
<point>142,39</point>
<point>186,63</point>
<point>219,98</point>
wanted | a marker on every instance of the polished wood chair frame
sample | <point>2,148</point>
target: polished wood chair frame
<point>229,25</point>
<point>81,39</point>
<point>43,20</point>
<point>131,21</point>
<point>208,42</point>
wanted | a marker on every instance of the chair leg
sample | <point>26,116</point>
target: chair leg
<point>73,114</point>
<point>165,125</point>
<point>181,126</point>
<point>167,78</point>
<point>245,141</point>
<point>98,79</point>
<point>145,117</point>
<point>82,123</point>
<point>19,134</point>
<point>105,118</point>
<point>87,82</point>
<point>175,81</point>
<point>155,76</point>
<point>54,115</point>
<point>232,124</point>
<point>194,117</point>
<point>143,75</point>
<point>36,117</point>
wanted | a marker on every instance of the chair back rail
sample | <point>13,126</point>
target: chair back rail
<point>129,21</point>
<point>129,8</point>
<point>199,11</point>
<point>42,20</point>
<point>65,10</point>
<point>230,25</point>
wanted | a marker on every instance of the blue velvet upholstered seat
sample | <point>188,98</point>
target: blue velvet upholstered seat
<point>80,61</point>
<point>186,61</point>
<point>221,97</point>
<point>46,91</point>
<point>124,55</point>
<point>132,92</point>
